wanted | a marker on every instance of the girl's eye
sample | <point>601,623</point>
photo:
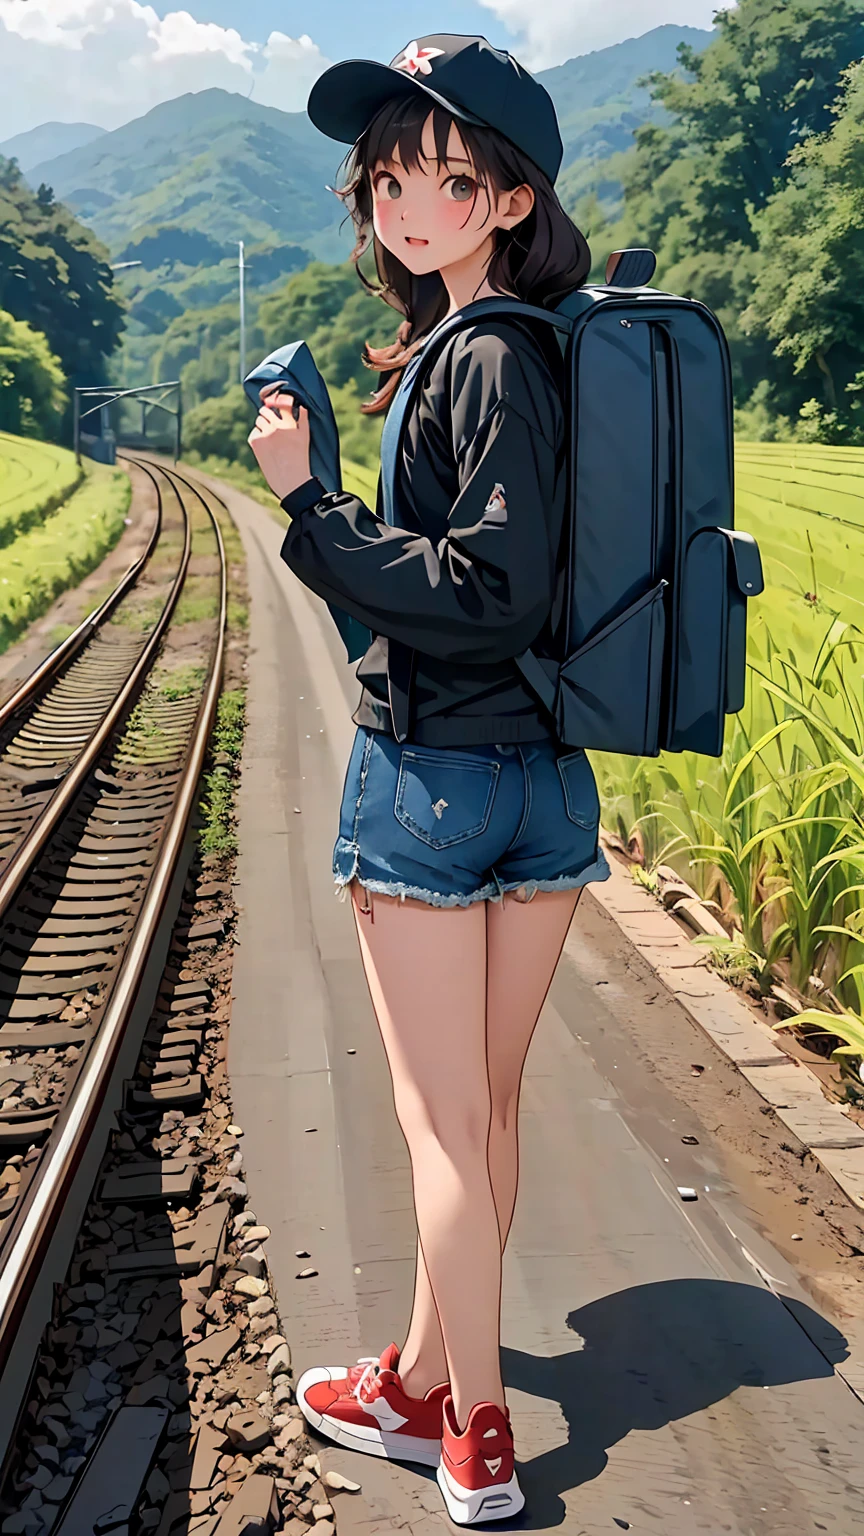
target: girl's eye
<point>391,184</point>
<point>461,188</point>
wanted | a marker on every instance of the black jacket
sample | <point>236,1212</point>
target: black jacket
<point>474,572</point>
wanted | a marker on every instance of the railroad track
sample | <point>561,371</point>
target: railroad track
<point>101,752</point>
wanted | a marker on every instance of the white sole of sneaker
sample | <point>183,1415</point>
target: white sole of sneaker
<point>369,1439</point>
<point>472,1506</point>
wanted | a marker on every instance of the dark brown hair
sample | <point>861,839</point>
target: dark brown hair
<point>543,257</point>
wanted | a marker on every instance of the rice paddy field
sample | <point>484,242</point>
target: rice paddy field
<point>773,832</point>
<point>35,478</point>
<point>57,521</point>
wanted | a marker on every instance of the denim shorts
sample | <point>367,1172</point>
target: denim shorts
<point>454,825</point>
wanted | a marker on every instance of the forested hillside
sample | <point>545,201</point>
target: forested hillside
<point>177,189</point>
<point>753,198</point>
<point>60,318</point>
<point>210,162</point>
<point>326,306</point>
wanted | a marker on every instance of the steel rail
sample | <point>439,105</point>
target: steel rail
<point>56,808</point>
<point>69,648</point>
<point>28,1238</point>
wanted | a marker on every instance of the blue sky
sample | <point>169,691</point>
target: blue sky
<point>344,29</point>
<point>108,61</point>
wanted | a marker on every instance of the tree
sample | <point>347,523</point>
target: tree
<point>202,348</point>
<point>33,392</point>
<point>808,290</point>
<point>220,428</point>
<point>329,308</point>
<point>694,191</point>
<point>54,275</point>
<point>760,88</point>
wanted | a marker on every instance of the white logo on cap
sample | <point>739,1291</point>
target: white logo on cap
<point>417,60</point>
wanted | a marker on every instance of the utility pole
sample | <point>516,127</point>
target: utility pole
<point>242,267</point>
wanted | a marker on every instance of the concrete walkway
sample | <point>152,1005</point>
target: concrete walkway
<point>666,1370</point>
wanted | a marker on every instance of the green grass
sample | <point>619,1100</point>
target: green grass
<point>40,564</point>
<point>805,505</point>
<point>181,681</point>
<point>218,834</point>
<point>198,602</point>
<point>35,479</point>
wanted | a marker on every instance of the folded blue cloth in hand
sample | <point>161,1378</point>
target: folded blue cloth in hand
<point>293,367</point>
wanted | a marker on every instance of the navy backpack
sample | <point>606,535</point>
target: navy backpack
<point>650,654</point>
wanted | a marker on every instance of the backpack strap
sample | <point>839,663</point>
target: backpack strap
<point>513,308</point>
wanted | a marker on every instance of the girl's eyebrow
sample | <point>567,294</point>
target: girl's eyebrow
<point>449,160</point>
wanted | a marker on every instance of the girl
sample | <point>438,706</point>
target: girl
<point>456,794</point>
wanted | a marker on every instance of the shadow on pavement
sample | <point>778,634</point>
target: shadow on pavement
<point>654,1354</point>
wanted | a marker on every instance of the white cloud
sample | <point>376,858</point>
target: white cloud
<point>106,61</point>
<point>557,30</point>
<point>291,67</point>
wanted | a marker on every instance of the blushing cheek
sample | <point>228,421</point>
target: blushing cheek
<point>387,219</point>
<point>454,218</point>
<point>454,225</point>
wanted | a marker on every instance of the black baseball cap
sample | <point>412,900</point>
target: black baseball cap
<point>476,82</point>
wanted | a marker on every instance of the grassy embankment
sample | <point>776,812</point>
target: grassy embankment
<point>57,521</point>
<point>773,831</point>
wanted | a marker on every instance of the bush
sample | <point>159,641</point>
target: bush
<point>359,435</point>
<point>33,393</point>
<point>221,426</point>
<point>757,421</point>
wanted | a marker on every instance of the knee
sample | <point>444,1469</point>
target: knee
<point>458,1127</point>
<point>505,1109</point>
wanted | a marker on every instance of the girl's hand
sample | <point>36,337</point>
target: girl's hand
<point>280,441</point>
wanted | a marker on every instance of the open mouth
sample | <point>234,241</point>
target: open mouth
<point>413,240</point>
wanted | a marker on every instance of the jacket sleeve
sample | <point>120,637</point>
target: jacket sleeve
<point>483,591</point>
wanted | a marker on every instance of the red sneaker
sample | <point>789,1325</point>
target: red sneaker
<point>475,1473</point>
<point>366,1408</point>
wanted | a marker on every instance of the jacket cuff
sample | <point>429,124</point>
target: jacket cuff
<point>303,496</point>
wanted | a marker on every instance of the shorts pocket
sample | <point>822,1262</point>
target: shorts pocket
<point>444,799</point>
<point>581,799</point>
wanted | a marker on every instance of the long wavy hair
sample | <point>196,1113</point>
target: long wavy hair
<point>540,259</point>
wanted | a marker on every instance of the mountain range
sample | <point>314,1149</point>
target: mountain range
<point>47,141</point>
<point>220,165</point>
<point>175,191</point>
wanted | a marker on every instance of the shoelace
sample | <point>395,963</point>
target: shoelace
<point>372,1368</point>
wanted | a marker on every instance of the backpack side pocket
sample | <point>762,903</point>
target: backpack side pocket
<point>721,569</point>
<point>609,691</point>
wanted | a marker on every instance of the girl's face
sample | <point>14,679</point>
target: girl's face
<point>432,219</point>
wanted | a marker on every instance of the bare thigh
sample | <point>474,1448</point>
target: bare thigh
<point>426,971</point>
<point>451,962</point>
<point>524,940</point>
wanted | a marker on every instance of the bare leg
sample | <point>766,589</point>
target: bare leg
<point>426,970</point>
<point>523,945</point>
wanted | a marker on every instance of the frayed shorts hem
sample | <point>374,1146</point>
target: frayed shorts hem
<point>492,891</point>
